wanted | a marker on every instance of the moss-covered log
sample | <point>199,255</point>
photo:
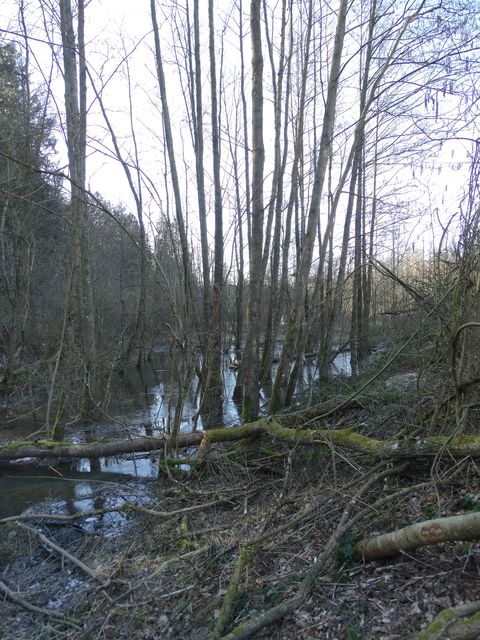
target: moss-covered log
<point>384,449</point>
<point>245,557</point>
<point>459,623</point>
<point>47,449</point>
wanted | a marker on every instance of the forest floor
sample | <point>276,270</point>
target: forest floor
<point>167,572</point>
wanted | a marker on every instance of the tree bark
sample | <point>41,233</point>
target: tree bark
<point>214,383</point>
<point>383,449</point>
<point>294,339</point>
<point>458,623</point>
<point>461,527</point>
<point>76,121</point>
<point>250,364</point>
<point>197,115</point>
<point>276,197</point>
<point>169,142</point>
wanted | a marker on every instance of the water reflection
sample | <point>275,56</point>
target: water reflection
<point>144,403</point>
<point>66,490</point>
<point>341,366</point>
<point>162,391</point>
<point>154,397</point>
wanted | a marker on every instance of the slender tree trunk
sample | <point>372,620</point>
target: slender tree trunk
<point>214,391</point>
<point>239,248</point>
<point>197,113</point>
<point>284,380</point>
<point>250,364</point>
<point>238,392</point>
<point>356,329</point>
<point>367,303</point>
<point>355,188</point>
<point>179,216</point>
<point>76,120</point>
<point>133,176</point>
<point>238,240</point>
<point>276,198</point>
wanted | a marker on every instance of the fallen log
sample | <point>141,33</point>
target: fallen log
<point>458,623</point>
<point>392,449</point>
<point>48,449</point>
<point>449,529</point>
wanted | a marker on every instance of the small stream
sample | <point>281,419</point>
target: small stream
<point>141,403</point>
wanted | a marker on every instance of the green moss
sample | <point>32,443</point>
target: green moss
<point>465,441</point>
<point>437,626</point>
<point>237,433</point>
<point>172,470</point>
<point>467,622</point>
<point>247,408</point>
<point>350,439</point>
<point>275,404</point>
<point>290,435</point>
<point>46,444</point>
<point>347,555</point>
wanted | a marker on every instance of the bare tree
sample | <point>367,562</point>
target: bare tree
<point>251,356</point>
<point>293,347</point>
<point>75,79</point>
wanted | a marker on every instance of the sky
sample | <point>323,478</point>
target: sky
<point>111,27</point>
<point>118,26</point>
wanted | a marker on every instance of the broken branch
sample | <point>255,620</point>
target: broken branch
<point>452,528</point>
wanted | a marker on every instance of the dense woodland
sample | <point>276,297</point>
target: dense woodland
<point>282,182</point>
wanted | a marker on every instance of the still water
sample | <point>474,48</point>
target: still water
<point>142,403</point>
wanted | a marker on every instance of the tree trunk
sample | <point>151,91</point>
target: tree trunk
<point>285,380</point>
<point>197,114</point>
<point>427,448</point>
<point>213,398</point>
<point>420,534</point>
<point>169,142</point>
<point>76,120</point>
<point>250,364</point>
<point>276,197</point>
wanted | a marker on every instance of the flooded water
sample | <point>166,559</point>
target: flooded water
<point>142,403</point>
<point>341,366</point>
<point>60,489</point>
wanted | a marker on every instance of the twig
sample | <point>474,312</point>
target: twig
<point>17,598</point>
<point>392,358</point>
<point>245,557</point>
<point>251,626</point>
<point>64,553</point>
<point>309,511</point>
<point>126,506</point>
<point>163,567</point>
<point>176,512</point>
